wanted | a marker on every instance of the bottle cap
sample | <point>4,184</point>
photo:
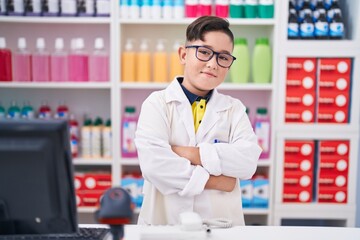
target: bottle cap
<point>40,43</point>
<point>160,45</point>
<point>73,43</point>
<point>264,41</point>
<point>241,41</point>
<point>79,43</point>
<point>59,43</point>
<point>108,123</point>
<point>144,45</point>
<point>87,122</point>
<point>2,42</point>
<point>21,43</point>
<point>98,121</point>
<point>99,43</point>
<point>130,109</point>
<point>261,111</point>
<point>129,45</point>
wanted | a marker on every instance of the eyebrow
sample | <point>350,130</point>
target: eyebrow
<point>222,51</point>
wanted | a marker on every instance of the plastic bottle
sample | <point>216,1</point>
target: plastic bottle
<point>62,111</point>
<point>334,8</point>
<point>134,9</point>
<point>261,61</point>
<point>191,8</point>
<point>167,9</point>
<point>160,63</point>
<point>59,63</point>
<point>205,8</point>
<point>33,7</point>
<point>16,7</point>
<point>27,111</point>
<point>86,138</point>
<point>86,8</point>
<point>145,9</point>
<point>336,29</point>
<point>99,63</point>
<point>107,140</point>
<point>5,62</point>
<point>128,127</point>
<point>103,8</point>
<point>266,8</point>
<point>2,112</point>
<point>306,9</point>
<point>78,62</point>
<point>68,8</point>
<point>22,62</point>
<point>240,69</point>
<point>307,27</point>
<point>13,111</point>
<point>96,142</point>
<point>222,8</point>
<point>178,9</point>
<point>44,111</point>
<point>237,9</point>
<point>262,131</point>
<point>74,126</point>
<point>156,9</point>
<point>51,8</point>
<point>321,26</point>
<point>143,63</point>
<point>128,62</point>
<point>176,68</point>
<point>327,4</point>
<point>251,8</point>
<point>319,8</point>
<point>293,25</point>
<point>124,9</point>
<point>3,10</point>
<point>41,62</point>
<point>74,146</point>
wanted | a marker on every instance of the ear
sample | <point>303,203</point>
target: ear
<point>182,54</point>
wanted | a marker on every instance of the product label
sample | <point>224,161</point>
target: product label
<point>321,29</point>
<point>336,29</point>
<point>51,6</point>
<point>293,30</point>
<point>16,6</point>
<point>128,145</point>
<point>307,29</point>
<point>262,130</point>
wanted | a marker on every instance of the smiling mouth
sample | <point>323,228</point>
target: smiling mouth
<point>209,74</point>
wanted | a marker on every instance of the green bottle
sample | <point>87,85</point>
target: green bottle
<point>237,9</point>
<point>14,111</point>
<point>240,69</point>
<point>27,111</point>
<point>2,112</point>
<point>266,8</point>
<point>261,61</point>
<point>251,8</point>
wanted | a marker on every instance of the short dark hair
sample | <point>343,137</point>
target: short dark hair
<point>197,29</point>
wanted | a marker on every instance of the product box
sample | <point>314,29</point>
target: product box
<point>333,100</point>
<point>299,149</point>
<point>134,185</point>
<point>302,83</point>
<point>332,195</point>
<point>297,195</point>
<point>246,192</point>
<point>299,114</point>
<point>335,66</point>
<point>326,115</point>
<point>301,67</point>
<point>97,181</point>
<point>298,179</point>
<point>261,192</point>
<point>327,179</point>
<point>334,164</point>
<point>89,198</point>
<point>334,83</point>
<point>79,181</point>
<point>300,99</point>
<point>339,148</point>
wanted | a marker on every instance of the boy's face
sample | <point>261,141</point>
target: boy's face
<point>200,77</point>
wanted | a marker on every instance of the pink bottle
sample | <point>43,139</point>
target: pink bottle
<point>78,62</point>
<point>41,62</point>
<point>5,62</point>
<point>59,63</point>
<point>222,8</point>
<point>22,62</point>
<point>99,63</point>
<point>262,131</point>
<point>205,8</point>
<point>128,128</point>
<point>191,8</point>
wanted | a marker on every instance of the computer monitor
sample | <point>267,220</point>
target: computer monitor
<point>37,193</point>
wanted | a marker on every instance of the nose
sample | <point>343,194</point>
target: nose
<point>212,63</point>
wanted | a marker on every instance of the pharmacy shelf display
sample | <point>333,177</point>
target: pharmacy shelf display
<point>317,130</point>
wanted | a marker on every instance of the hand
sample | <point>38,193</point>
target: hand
<point>221,183</point>
<point>190,153</point>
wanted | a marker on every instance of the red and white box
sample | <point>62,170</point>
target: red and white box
<point>327,179</point>
<point>334,164</point>
<point>333,107</point>
<point>335,66</point>
<point>298,179</point>
<point>330,115</point>
<point>97,181</point>
<point>336,148</point>
<point>79,181</point>
<point>334,83</point>
<point>301,67</point>
<point>332,195</point>
<point>299,164</point>
<point>301,83</point>
<point>89,198</point>
<point>300,99</point>
<point>297,195</point>
<point>299,114</point>
<point>298,149</point>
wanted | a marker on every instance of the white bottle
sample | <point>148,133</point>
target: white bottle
<point>167,9</point>
<point>178,9</point>
<point>107,140</point>
<point>145,10</point>
<point>156,9</point>
<point>86,137</point>
<point>124,9</point>
<point>134,9</point>
<point>96,138</point>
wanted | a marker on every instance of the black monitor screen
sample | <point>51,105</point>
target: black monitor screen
<point>36,178</point>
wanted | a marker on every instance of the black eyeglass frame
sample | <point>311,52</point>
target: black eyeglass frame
<point>214,53</point>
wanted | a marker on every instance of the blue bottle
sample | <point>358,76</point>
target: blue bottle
<point>293,25</point>
<point>307,27</point>
<point>336,27</point>
<point>321,27</point>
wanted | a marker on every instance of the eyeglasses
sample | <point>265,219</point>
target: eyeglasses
<point>205,54</point>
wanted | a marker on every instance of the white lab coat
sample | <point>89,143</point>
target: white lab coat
<point>172,185</point>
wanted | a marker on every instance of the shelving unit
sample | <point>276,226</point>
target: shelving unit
<point>315,213</point>
<point>108,99</point>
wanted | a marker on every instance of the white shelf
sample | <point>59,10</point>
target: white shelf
<point>63,85</point>
<point>256,211</point>
<point>186,21</point>
<point>95,161</point>
<point>56,20</point>
<point>130,162</point>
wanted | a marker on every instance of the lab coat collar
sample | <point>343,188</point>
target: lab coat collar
<point>217,104</point>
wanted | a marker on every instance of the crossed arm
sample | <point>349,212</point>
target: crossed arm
<point>222,183</point>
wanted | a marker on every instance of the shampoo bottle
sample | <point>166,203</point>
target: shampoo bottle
<point>261,62</point>
<point>176,68</point>
<point>128,128</point>
<point>99,63</point>
<point>160,63</point>
<point>143,63</point>
<point>128,62</point>
<point>59,62</point>
<point>78,62</point>
<point>5,62</point>
<point>41,62</point>
<point>22,62</point>
<point>240,69</point>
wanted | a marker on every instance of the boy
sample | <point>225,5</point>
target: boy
<point>194,143</point>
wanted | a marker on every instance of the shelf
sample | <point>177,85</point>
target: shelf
<point>256,211</point>
<point>130,162</point>
<point>223,86</point>
<point>317,209</point>
<point>320,48</point>
<point>57,85</point>
<point>264,163</point>
<point>56,20</point>
<point>95,161</point>
<point>186,21</point>
<point>336,131</point>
